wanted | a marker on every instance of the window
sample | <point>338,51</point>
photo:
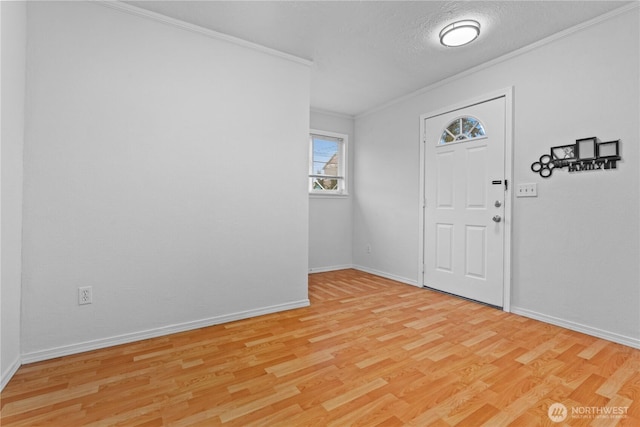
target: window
<point>461,129</point>
<point>327,163</point>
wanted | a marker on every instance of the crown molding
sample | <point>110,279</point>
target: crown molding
<point>143,13</point>
<point>332,113</point>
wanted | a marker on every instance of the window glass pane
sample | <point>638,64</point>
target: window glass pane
<point>325,156</point>
<point>325,184</point>
<point>468,123</point>
<point>477,131</point>
<point>462,128</point>
<point>454,127</point>
<point>446,138</point>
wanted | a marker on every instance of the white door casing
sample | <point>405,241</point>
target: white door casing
<point>466,208</point>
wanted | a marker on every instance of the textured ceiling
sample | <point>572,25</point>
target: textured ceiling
<point>367,53</point>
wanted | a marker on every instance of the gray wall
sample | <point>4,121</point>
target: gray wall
<point>163,168</point>
<point>14,39</point>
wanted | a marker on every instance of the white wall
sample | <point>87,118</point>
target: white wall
<point>385,211</point>
<point>163,168</point>
<point>330,218</point>
<point>575,247</point>
<point>14,38</point>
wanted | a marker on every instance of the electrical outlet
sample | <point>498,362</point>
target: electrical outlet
<point>85,295</point>
<point>527,190</point>
<point>368,249</point>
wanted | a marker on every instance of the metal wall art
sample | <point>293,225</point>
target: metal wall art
<point>585,154</point>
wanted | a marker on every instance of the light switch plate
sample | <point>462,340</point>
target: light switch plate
<point>527,190</point>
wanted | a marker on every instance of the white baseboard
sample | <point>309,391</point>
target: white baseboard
<point>6,376</point>
<point>578,327</point>
<point>66,350</point>
<point>329,268</point>
<point>386,275</point>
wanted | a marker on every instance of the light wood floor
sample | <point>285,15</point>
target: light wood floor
<point>368,351</point>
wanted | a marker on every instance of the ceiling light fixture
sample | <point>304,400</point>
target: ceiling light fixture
<point>460,33</point>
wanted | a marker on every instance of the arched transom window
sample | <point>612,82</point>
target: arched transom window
<point>461,129</point>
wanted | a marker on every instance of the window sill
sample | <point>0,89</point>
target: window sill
<point>329,196</point>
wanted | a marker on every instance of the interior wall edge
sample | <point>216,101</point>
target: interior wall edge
<point>13,17</point>
<point>390,276</point>
<point>332,113</point>
<point>81,347</point>
<point>578,327</point>
<point>133,10</point>
<point>330,268</point>
<point>13,368</point>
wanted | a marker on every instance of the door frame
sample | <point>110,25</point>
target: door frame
<point>507,93</point>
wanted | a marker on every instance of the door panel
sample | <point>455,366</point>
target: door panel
<point>476,176</point>
<point>445,182</point>
<point>464,246</point>
<point>476,252</point>
<point>444,245</point>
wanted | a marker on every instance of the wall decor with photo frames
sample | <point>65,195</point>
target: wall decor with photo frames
<point>586,154</point>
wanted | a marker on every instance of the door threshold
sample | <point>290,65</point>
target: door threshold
<point>464,298</point>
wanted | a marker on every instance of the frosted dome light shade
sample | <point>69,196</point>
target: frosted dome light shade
<point>459,33</point>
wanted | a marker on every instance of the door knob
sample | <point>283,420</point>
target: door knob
<point>497,204</point>
<point>497,218</point>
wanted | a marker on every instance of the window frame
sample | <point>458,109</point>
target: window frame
<point>343,189</point>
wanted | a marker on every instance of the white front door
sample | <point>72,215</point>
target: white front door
<point>464,201</point>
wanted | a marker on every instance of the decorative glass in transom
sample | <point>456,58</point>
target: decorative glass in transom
<point>462,128</point>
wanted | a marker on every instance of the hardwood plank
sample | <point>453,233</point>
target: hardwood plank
<point>613,384</point>
<point>593,349</point>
